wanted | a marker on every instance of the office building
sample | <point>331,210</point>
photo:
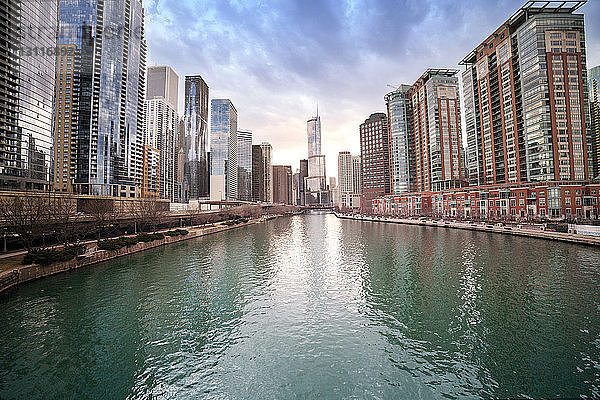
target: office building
<point>194,139</point>
<point>27,92</point>
<point>316,192</point>
<point>303,174</point>
<point>436,125</point>
<point>223,149</point>
<point>526,98</point>
<point>161,133</point>
<point>282,184</point>
<point>107,95</point>
<point>402,143</point>
<point>375,158</point>
<point>262,173</point>
<point>244,160</point>
<point>594,95</point>
<point>348,185</point>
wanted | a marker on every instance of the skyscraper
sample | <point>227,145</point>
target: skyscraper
<point>195,138</point>
<point>109,73</point>
<point>223,149</point>
<point>262,173</point>
<point>436,122</point>
<point>27,93</point>
<point>161,131</point>
<point>402,143</point>
<point>594,93</point>
<point>303,174</point>
<point>316,182</point>
<point>348,180</point>
<point>375,156</point>
<point>244,159</point>
<point>526,98</point>
<point>282,184</point>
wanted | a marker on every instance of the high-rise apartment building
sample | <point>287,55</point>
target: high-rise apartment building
<point>282,184</point>
<point>303,174</point>
<point>375,157</point>
<point>402,140</point>
<point>348,181</point>
<point>161,132</point>
<point>64,117</point>
<point>262,173</point>
<point>526,98</point>
<point>27,92</point>
<point>244,160</point>
<point>194,137</point>
<point>223,149</point>
<point>107,95</point>
<point>436,122</point>
<point>316,183</point>
<point>594,93</point>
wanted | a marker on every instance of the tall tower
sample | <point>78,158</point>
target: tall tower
<point>161,131</point>
<point>526,98</point>
<point>223,150</point>
<point>109,72</point>
<point>375,156</point>
<point>195,138</point>
<point>244,159</point>
<point>27,93</point>
<point>316,182</point>
<point>402,143</point>
<point>436,121</point>
<point>594,92</point>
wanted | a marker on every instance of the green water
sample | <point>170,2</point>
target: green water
<point>313,307</point>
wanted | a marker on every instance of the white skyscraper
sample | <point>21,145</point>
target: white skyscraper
<point>316,182</point>
<point>223,150</point>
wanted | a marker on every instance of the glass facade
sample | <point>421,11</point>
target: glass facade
<point>244,159</point>
<point>27,90</point>
<point>594,93</point>
<point>401,140</point>
<point>223,144</point>
<point>109,36</point>
<point>195,138</point>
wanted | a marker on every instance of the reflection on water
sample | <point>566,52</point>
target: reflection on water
<point>313,307</point>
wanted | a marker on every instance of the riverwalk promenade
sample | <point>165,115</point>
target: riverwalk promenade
<point>528,230</point>
<point>26,273</point>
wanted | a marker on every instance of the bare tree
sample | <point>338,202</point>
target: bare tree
<point>27,216</point>
<point>149,213</point>
<point>102,213</point>
<point>64,215</point>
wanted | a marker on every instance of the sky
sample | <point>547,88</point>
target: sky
<point>277,59</point>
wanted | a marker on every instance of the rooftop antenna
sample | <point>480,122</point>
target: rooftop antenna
<point>317,109</point>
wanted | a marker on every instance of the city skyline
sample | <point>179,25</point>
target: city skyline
<point>346,47</point>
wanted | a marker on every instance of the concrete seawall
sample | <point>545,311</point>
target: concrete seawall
<point>28,273</point>
<point>485,227</point>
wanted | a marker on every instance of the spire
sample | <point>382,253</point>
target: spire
<point>317,110</point>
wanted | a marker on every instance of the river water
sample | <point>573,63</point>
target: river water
<point>310,307</point>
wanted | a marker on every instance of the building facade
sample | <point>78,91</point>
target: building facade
<point>526,98</point>
<point>244,159</point>
<point>436,121</point>
<point>594,95</point>
<point>161,130</point>
<point>262,173</point>
<point>27,91</point>
<point>108,94</point>
<point>223,149</point>
<point>194,139</point>
<point>375,158</point>
<point>349,182</point>
<point>282,184</point>
<point>303,174</point>
<point>402,140</point>
<point>315,184</point>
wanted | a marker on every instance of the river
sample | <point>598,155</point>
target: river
<point>309,307</point>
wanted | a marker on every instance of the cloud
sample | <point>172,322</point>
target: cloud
<point>275,59</point>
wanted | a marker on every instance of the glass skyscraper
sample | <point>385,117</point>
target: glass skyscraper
<point>594,90</point>
<point>195,138</point>
<point>244,160</point>
<point>223,149</point>
<point>27,92</point>
<point>402,144</point>
<point>316,183</point>
<point>109,71</point>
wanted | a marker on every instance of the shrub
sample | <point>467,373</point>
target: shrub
<point>111,244</point>
<point>149,237</point>
<point>177,232</point>
<point>46,256</point>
